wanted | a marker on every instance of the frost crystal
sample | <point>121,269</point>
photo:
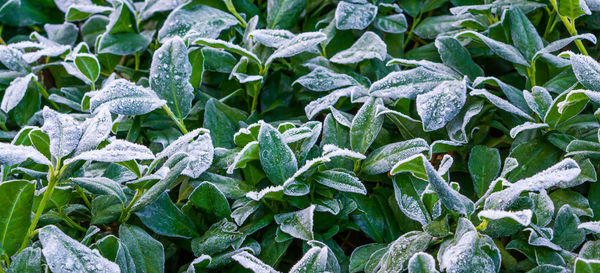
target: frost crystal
<point>200,153</point>
<point>299,224</point>
<point>117,151</point>
<point>323,79</point>
<point>126,98</point>
<point>442,104</point>
<point>301,43</point>
<point>15,92</point>
<point>15,154</point>
<point>95,130</point>
<point>272,37</point>
<point>249,261</point>
<point>65,255</point>
<point>194,21</point>
<point>63,130</point>
<point>368,46</point>
<point>407,84</point>
<point>354,16</point>
<point>322,103</point>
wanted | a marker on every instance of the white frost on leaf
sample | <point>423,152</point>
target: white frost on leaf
<point>65,255</point>
<point>257,196</point>
<point>126,98</point>
<point>593,226</point>
<point>354,15</point>
<point>522,217</point>
<point>253,263</point>
<point>15,154</point>
<point>117,151</point>
<point>298,224</point>
<point>63,130</point>
<point>587,71</point>
<point>15,92</point>
<point>95,130</point>
<point>368,46</point>
<point>437,107</point>
<point>323,103</point>
<point>200,153</point>
<point>323,79</point>
<point>301,43</point>
<point>408,83</point>
<point>274,38</point>
<point>526,127</point>
<point>501,103</point>
<point>195,22</point>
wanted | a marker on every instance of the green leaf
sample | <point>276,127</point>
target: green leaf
<point>573,9</point>
<point>395,23</point>
<point>299,224</point>
<point>214,43</point>
<point>125,98</point>
<point>88,65</point>
<point>408,191</point>
<point>586,266</point>
<point>220,236</point>
<point>16,154</point>
<point>361,255</point>
<point>458,57</point>
<point>587,71</point>
<point>303,42</point>
<point>29,260</point>
<point>193,20</point>
<point>484,166</point>
<point>523,33</point>
<point>384,158</point>
<point>368,46</point>
<point>319,258</point>
<point>323,79</point>
<point>276,158</point>
<point>504,51</point>
<point>222,121</point>
<point>164,218</point>
<point>566,233</point>
<point>283,14</point>
<point>350,15</point>
<point>402,249</point>
<point>147,253</point>
<point>64,254</point>
<point>113,249</point>
<point>117,151</point>
<point>250,261</point>
<point>340,180</point>
<point>101,185</point>
<point>170,74</point>
<point>15,92</point>
<point>421,262</point>
<point>209,198</point>
<point>408,83</point>
<point>437,107</point>
<point>365,126</point>
<point>15,213</point>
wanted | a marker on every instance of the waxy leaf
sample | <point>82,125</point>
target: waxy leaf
<point>15,213</point>
<point>276,157</point>
<point>350,15</point>
<point>368,46</point>
<point>125,98</point>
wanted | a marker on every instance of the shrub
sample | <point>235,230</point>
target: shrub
<point>299,135</point>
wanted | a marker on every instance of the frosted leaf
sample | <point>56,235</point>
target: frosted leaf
<point>323,79</point>
<point>368,46</point>
<point>299,224</point>
<point>170,74</point>
<point>500,103</point>
<point>536,240</point>
<point>526,127</point>
<point>276,158</point>
<point>593,5</point>
<point>562,43</point>
<point>408,192</point>
<point>457,127</point>
<point>470,252</point>
<point>229,47</point>
<point>354,15</point>
<point>513,94</point>
<point>153,6</point>
<point>296,134</point>
<point>63,130</point>
<point>323,103</point>
<point>15,92</point>
<point>400,251</point>
<point>271,190</point>
<point>77,12</point>
<point>342,118</point>
<point>319,258</point>
<point>248,153</point>
<point>587,71</point>
<point>504,51</point>
<point>366,125</point>
<point>200,154</point>
<point>180,144</point>
<point>449,197</point>
<point>563,171</point>
<point>47,51</point>
<point>433,66</point>
<point>330,150</point>
<point>522,217</point>
<point>407,84</point>
<point>341,181</point>
<point>63,5</point>
<point>437,107</point>
<point>509,165</point>
<point>15,154</point>
<point>395,23</point>
<point>101,185</point>
<point>65,255</point>
<point>272,37</point>
<point>116,151</point>
<point>192,21</point>
<point>126,98</point>
<point>383,159</point>
<point>301,43</point>
<point>591,226</point>
<point>12,58</point>
<point>250,261</point>
<point>539,100</point>
<point>95,130</point>
<point>199,263</point>
<point>422,262</point>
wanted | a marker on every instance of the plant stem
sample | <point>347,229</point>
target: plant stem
<point>38,213</point>
<point>125,213</point>
<point>412,28</point>
<point>84,197</point>
<point>70,221</point>
<point>570,25</point>
<point>46,95</point>
<point>232,9</point>
<point>177,121</point>
<point>137,60</point>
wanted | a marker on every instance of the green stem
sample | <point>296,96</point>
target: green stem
<point>38,213</point>
<point>46,95</point>
<point>531,74</point>
<point>84,197</point>
<point>232,9</point>
<point>70,221</point>
<point>137,60</point>
<point>177,121</point>
<point>126,212</point>
<point>570,25</point>
<point>412,28</point>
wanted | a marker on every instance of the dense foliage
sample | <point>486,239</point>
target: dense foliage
<point>299,136</point>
